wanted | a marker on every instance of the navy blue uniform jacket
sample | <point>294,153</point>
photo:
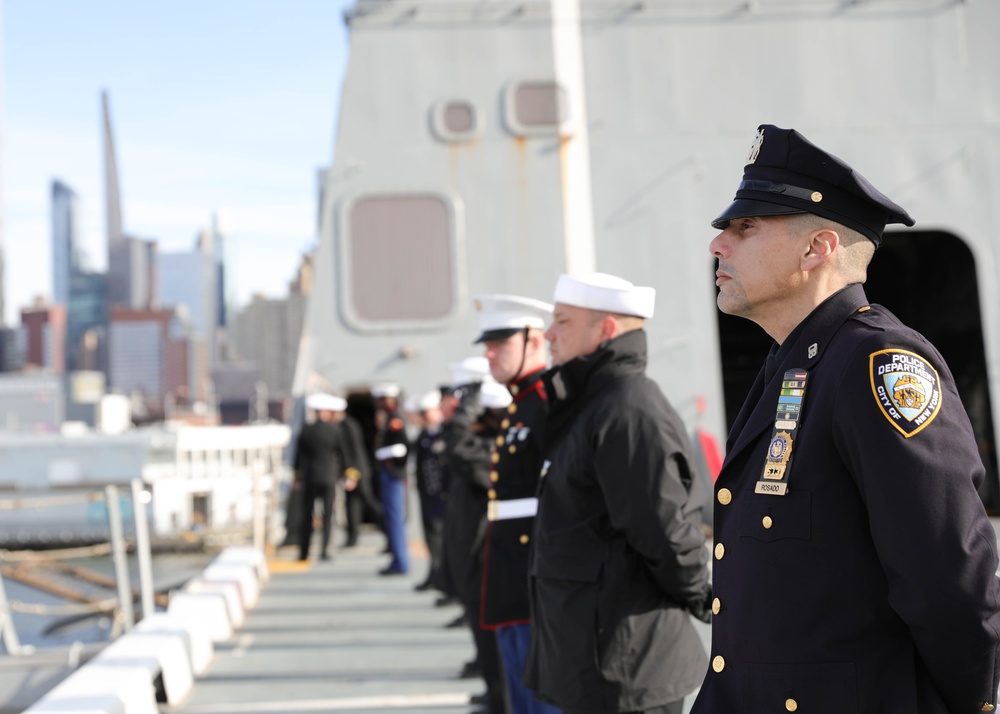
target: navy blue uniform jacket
<point>870,587</point>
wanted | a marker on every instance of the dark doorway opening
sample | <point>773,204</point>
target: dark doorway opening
<point>928,280</point>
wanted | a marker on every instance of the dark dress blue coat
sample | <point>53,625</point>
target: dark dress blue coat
<point>870,587</point>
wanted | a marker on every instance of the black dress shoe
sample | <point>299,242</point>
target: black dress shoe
<point>445,601</point>
<point>459,621</point>
<point>324,556</point>
<point>470,670</point>
<point>426,585</point>
<point>391,571</point>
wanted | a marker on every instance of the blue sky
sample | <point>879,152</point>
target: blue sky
<point>224,106</point>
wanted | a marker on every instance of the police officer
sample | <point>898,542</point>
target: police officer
<point>392,448</point>
<point>318,463</point>
<point>511,330</point>
<point>618,555</point>
<point>854,562</point>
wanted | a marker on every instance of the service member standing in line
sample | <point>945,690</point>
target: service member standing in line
<point>473,429</point>
<point>318,464</point>
<point>432,481</point>
<point>392,448</point>
<point>511,330</point>
<point>855,564</point>
<point>618,557</point>
<point>357,477</point>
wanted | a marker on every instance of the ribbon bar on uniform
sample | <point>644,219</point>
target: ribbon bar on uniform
<point>514,508</point>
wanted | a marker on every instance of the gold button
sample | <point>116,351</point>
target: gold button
<point>725,496</point>
<point>767,522</point>
<point>499,441</point>
<point>513,389</point>
<point>791,705</point>
<point>512,449</point>
<point>720,550</point>
<point>718,664</point>
<point>505,423</point>
<point>523,539</point>
<point>492,494</point>
<point>987,707</point>
<point>494,476</point>
<point>512,409</point>
<point>495,457</point>
<point>716,606</point>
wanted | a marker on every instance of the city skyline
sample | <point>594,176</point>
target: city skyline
<point>226,110</point>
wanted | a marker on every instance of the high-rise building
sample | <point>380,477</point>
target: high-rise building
<point>148,354</point>
<point>187,282</point>
<point>45,330</point>
<point>130,280</point>
<point>267,332</point>
<point>82,292</point>
<point>65,223</point>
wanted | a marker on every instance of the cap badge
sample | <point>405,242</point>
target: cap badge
<point>758,141</point>
<point>906,388</point>
<point>816,197</point>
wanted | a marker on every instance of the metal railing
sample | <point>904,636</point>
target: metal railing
<point>122,604</point>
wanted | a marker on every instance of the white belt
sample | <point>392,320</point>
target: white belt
<point>395,451</point>
<point>514,508</point>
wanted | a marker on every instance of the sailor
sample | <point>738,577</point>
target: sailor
<point>318,464</point>
<point>432,479</point>
<point>618,557</point>
<point>512,333</point>
<point>855,566</point>
<point>391,450</point>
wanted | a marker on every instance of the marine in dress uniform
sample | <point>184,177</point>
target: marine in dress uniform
<point>392,447</point>
<point>318,463</point>
<point>511,329</point>
<point>618,557</point>
<point>855,566</point>
<point>472,430</point>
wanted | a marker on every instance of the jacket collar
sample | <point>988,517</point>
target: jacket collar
<point>803,349</point>
<point>587,373</point>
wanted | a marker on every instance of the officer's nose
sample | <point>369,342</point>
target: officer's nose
<point>718,247</point>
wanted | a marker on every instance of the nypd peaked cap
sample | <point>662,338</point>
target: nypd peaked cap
<point>785,174</point>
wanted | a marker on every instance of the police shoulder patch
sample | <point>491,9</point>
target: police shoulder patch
<point>906,388</point>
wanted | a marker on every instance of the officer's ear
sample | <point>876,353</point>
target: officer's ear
<point>822,244</point>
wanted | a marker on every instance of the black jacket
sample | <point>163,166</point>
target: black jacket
<point>319,455</point>
<point>870,587</point>
<point>467,450</point>
<point>618,554</point>
<point>516,464</point>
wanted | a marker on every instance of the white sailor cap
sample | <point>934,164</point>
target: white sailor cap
<point>501,316</point>
<point>469,370</point>
<point>427,400</point>
<point>494,395</point>
<point>385,389</point>
<point>605,293</point>
<point>411,405</point>
<point>326,402</point>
